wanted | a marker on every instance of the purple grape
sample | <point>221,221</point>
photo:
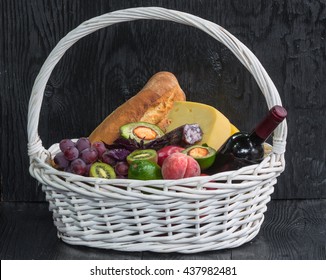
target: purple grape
<point>100,147</point>
<point>121,168</point>
<point>83,143</point>
<point>107,158</point>
<point>65,144</point>
<point>121,177</point>
<point>89,155</point>
<point>61,161</point>
<point>78,166</point>
<point>88,167</point>
<point>71,153</point>
<point>68,169</point>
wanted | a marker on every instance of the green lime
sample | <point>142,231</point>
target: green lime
<point>144,170</point>
<point>204,155</point>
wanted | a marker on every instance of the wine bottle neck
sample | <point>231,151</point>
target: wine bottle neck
<point>254,138</point>
<point>265,128</point>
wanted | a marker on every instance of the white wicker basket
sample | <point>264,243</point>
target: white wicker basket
<point>189,215</point>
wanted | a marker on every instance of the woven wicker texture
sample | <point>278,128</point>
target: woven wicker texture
<point>189,215</point>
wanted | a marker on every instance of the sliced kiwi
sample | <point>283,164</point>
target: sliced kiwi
<point>102,170</point>
<point>203,154</point>
<point>141,131</point>
<point>147,154</point>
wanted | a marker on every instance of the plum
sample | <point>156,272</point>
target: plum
<point>178,166</point>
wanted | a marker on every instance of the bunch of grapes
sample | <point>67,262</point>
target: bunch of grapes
<point>78,157</point>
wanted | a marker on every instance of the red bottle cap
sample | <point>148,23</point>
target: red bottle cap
<point>274,117</point>
<point>278,113</point>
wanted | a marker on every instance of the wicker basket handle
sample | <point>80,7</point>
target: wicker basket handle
<point>247,58</point>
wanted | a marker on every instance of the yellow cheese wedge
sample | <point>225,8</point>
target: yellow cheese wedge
<point>234,129</point>
<point>215,126</point>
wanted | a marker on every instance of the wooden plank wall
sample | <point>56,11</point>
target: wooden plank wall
<point>106,68</point>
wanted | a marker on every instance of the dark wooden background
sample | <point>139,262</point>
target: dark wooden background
<point>106,68</point>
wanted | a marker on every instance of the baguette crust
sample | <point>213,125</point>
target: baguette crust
<point>152,104</point>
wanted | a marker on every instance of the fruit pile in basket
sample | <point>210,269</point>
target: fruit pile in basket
<point>157,134</point>
<point>172,155</point>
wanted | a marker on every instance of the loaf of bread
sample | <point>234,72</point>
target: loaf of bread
<point>152,104</point>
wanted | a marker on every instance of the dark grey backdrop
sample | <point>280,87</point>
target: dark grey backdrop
<point>106,68</point>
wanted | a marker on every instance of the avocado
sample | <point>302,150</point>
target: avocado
<point>204,155</point>
<point>141,131</point>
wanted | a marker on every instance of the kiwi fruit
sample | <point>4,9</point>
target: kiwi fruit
<point>102,170</point>
<point>147,154</point>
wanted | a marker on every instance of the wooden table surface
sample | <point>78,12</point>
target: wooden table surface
<point>293,230</point>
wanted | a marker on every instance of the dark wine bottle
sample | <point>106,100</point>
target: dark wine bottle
<point>243,149</point>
